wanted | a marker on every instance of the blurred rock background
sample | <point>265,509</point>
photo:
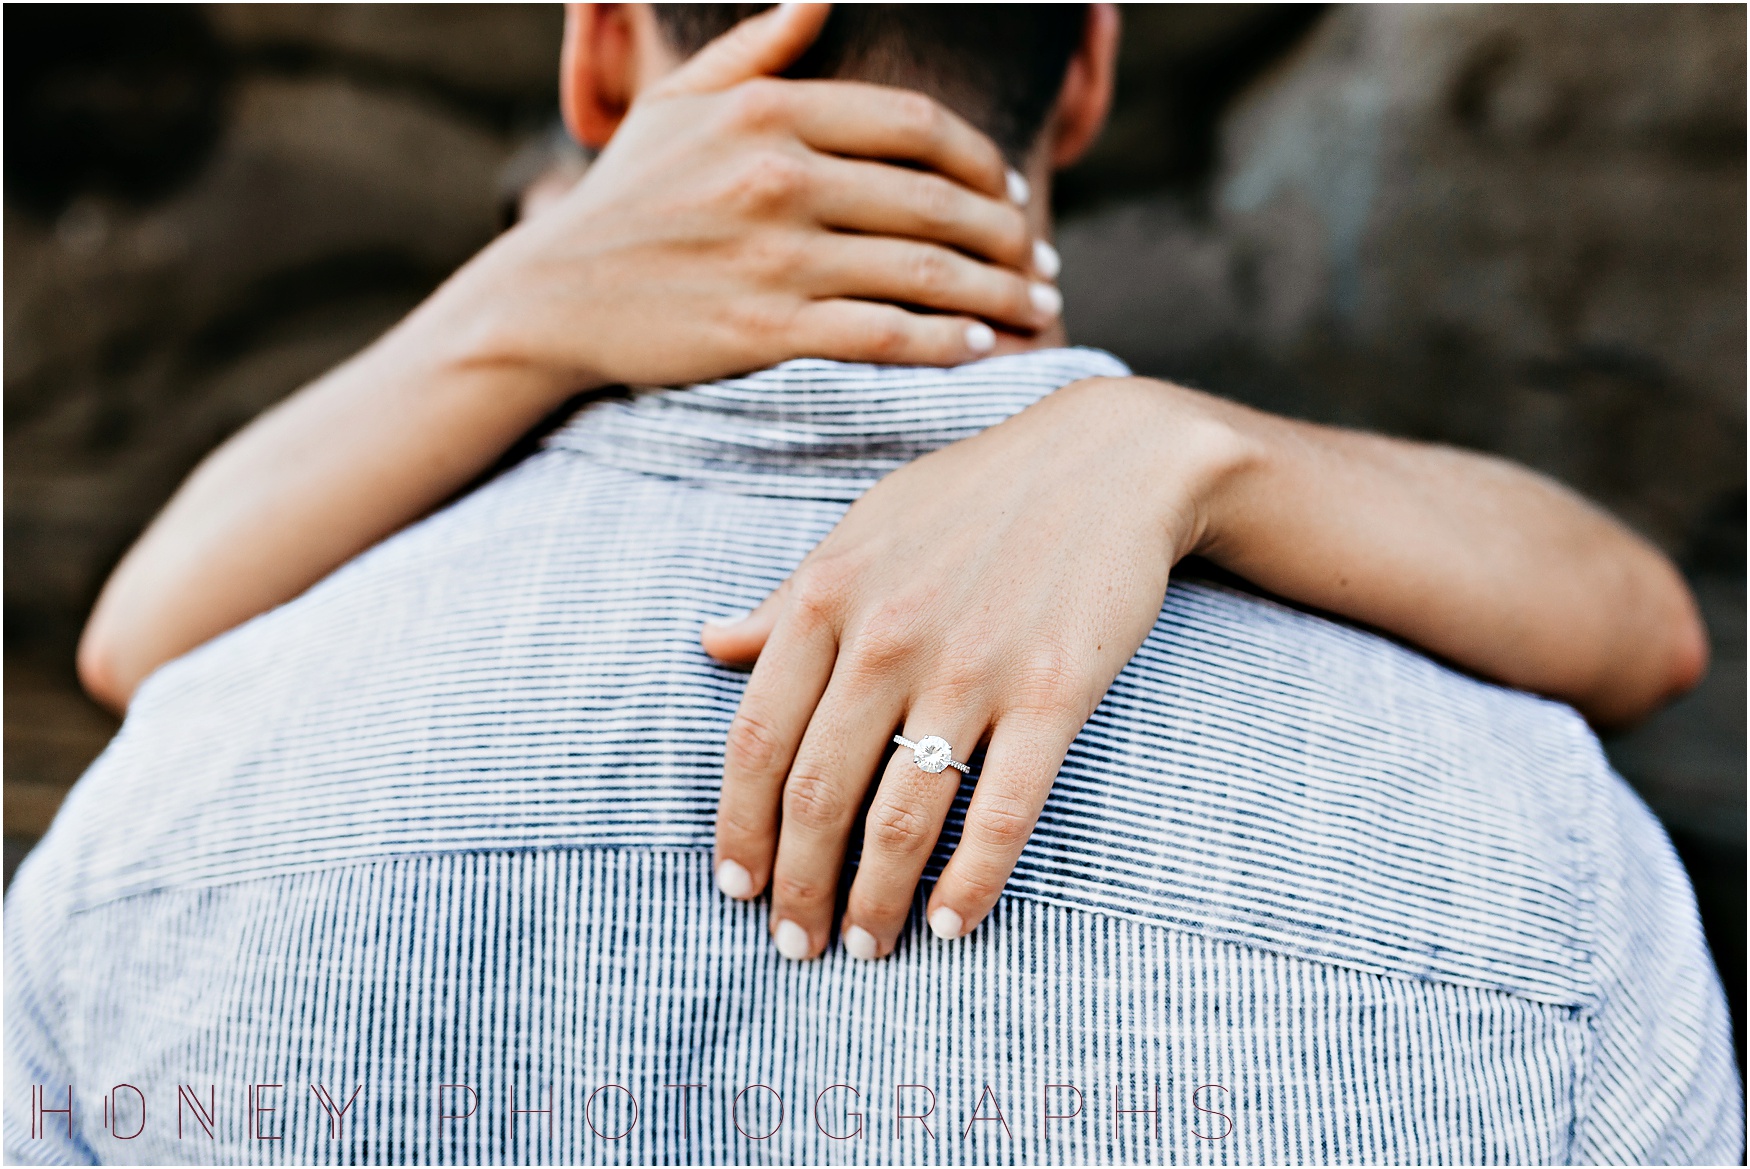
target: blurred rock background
<point>1519,229</point>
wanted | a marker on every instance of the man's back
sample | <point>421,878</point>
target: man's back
<point>439,831</point>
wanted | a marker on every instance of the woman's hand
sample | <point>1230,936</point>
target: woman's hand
<point>734,221</point>
<point>988,592</point>
<point>992,590</point>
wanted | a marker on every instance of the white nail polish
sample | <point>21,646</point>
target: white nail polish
<point>860,943</point>
<point>980,337</point>
<point>791,940</point>
<point>945,923</point>
<point>734,881</point>
<point>726,622</point>
<point>1019,189</point>
<point>1046,299</point>
<point>1046,261</point>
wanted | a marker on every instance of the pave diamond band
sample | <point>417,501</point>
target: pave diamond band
<point>932,754</point>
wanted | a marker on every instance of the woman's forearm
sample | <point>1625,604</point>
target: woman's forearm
<point>338,466</point>
<point>1480,561</point>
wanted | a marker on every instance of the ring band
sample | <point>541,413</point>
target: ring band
<point>932,754</point>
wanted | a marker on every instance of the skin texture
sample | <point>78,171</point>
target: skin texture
<point>679,257</point>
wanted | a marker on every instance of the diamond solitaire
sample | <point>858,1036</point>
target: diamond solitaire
<point>932,754</point>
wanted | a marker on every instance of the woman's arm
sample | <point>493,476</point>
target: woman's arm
<point>713,235</point>
<point>992,590</point>
<point>1491,566</point>
<point>311,483</point>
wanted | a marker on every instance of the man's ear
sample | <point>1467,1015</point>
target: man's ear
<point>1086,96</point>
<point>597,70</point>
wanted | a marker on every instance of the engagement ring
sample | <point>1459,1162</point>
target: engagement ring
<point>932,754</point>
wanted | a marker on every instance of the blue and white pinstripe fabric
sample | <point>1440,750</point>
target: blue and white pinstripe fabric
<point>445,819</point>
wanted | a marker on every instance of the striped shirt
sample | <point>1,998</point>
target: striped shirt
<point>417,868</point>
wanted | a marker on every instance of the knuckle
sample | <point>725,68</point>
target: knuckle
<point>820,590</point>
<point>980,884</point>
<point>768,180</point>
<point>959,683</point>
<point>936,203</point>
<point>929,272</point>
<point>754,745</point>
<point>772,257</point>
<point>883,641</point>
<point>758,103</point>
<point>813,802</point>
<point>918,116</point>
<point>790,889</point>
<point>761,319</point>
<point>1005,823</point>
<point>741,824</point>
<point>1048,682</point>
<point>887,338</point>
<point>896,828</point>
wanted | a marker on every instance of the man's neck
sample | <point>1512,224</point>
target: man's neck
<point>1040,222</point>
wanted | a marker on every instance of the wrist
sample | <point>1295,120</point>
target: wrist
<point>1199,456</point>
<point>1238,450</point>
<point>467,404</point>
<point>480,327</point>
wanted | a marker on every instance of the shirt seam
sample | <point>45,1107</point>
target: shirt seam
<point>1262,945</point>
<point>1585,755</point>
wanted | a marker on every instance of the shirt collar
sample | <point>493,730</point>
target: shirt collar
<point>817,429</point>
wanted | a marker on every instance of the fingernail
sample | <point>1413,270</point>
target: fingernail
<point>1046,299</point>
<point>1046,261</point>
<point>1019,189</point>
<point>945,923</point>
<point>726,622</point>
<point>980,337</point>
<point>791,940</point>
<point>734,881</point>
<point>860,943</point>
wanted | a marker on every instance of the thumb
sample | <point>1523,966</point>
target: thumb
<point>737,640</point>
<point>760,46</point>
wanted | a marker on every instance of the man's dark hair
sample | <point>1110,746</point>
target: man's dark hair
<point>999,66</point>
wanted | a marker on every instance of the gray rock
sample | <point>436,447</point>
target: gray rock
<point>1518,229</point>
<point>509,50</point>
<point>138,338</point>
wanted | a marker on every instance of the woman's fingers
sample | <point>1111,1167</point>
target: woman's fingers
<point>821,797</point>
<point>930,276</point>
<point>737,640</point>
<point>1020,766</point>
<point>852,118</point>
<point>858,119</point>
<point>881,199</point>
<point>787,683</point>
<point>904,821</point>
<point>860,330</point>
<point>757,47</point>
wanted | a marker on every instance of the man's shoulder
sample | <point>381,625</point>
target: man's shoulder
<point>1263,774</point>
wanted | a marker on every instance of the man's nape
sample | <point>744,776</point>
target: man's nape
<point>999,66</point>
